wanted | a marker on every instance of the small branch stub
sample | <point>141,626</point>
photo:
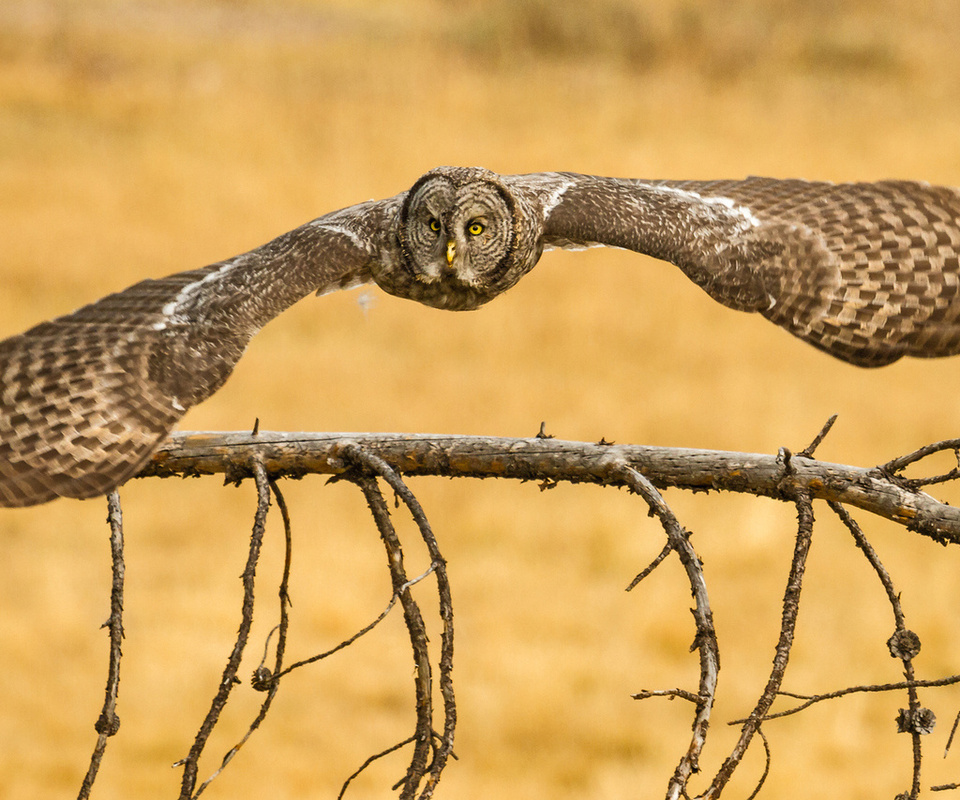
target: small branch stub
<point>549,460</point>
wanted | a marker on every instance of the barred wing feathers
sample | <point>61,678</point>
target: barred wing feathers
<point>868,272</point>
<point>85,399</point>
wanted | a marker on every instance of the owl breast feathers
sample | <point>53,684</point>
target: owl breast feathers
<point>867,272</point>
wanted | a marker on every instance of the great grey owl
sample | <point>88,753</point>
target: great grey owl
<point>868,272</point>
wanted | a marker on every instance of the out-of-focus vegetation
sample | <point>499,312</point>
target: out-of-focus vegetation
<point>142,138</point>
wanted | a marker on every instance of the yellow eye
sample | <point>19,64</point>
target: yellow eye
<point>434,224</point>
<point>475,228</point>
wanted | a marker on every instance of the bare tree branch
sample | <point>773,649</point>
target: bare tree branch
<point>367,458</point>
<point>875,490</point>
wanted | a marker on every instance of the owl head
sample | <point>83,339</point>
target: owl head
<point>463,238</point>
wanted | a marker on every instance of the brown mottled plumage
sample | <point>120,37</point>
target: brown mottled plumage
<point>868,272</point>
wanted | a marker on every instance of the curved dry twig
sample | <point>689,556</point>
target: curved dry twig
<point>284,589</point>
<point>108,722</point>
<point>788,623</point>
<point>263,679</point>
<point>191,762</point>
<point>810,700</point>
<point>904,644</point>
<point>363,631</point>
<point>900,463</point>
<point>705,640</point>
<point>766,759</point>
<point>442,752</point>
<point>895,467</point>
<point>418,634</point>
<point>375,757</point>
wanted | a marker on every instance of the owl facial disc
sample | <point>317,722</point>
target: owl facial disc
<point>458,234</point>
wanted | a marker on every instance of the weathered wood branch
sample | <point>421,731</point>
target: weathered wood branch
<point>783,476</point>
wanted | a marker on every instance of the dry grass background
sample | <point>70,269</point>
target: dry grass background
<point>142,138</point>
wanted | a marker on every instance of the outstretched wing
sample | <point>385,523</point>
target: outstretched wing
<point>85,399</point>
<point>868,272</point>
<point>78,410</point>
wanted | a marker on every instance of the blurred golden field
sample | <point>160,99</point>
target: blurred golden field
<point>143,138</point>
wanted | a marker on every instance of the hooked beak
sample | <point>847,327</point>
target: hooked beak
<point>451,252</point>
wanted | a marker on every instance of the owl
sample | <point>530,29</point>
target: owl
<point>867,272</point>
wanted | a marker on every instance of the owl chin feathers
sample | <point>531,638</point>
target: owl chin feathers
<point>456,288</point>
